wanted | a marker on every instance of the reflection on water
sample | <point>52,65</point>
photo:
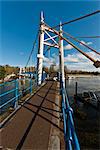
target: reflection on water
<point>7,87</point>
<point>84,84</point>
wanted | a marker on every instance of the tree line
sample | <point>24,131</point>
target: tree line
<point>7,69</point>
<point>67,71</point>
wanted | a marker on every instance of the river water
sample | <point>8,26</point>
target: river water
<point>85,83</point>
<point>22,84</point>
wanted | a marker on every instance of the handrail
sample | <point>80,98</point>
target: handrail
<point>16,88</point>
<point>7,102</point>
<point>70,136</point>
<point>8,92</point>
<point>7,82</point>
<point>16,94</point>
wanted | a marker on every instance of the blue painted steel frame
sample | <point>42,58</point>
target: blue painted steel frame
<point>31,86</point>
<point>16,92</point>
<point>70,136</point>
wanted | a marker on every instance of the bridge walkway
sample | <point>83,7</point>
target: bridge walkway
<point>30,127</point>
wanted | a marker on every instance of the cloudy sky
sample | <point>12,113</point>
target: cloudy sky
<point>20,22</point>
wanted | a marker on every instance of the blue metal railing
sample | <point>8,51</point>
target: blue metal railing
<point>70,136</point>
<point>16,90</point>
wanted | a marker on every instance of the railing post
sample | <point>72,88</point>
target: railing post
<point>30,86</point>
<point>16,94</point>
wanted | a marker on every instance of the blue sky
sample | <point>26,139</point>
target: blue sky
<point>20,21</point>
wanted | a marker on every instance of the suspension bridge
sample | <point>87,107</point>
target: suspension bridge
<point>44,120</point>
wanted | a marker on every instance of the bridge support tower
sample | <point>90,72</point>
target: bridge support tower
<point>61,60</point>
<point>40,51</point>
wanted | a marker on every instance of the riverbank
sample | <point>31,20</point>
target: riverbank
<point>82,76</point>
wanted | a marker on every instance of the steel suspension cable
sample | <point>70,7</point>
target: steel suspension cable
<point>32,48</point>
<point>96,63</point>
<point>81,42</point>
<point>88,37</point>
<point>88,15</point>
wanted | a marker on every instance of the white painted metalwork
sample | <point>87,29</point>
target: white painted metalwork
<point>51,38</point>
<point>40,51</point>
<point>51,45</point>
<point>44,30</point>
<point>61,57</point>
<point>48,29</point>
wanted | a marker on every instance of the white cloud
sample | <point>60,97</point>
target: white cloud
<point>86,43</point>
<point>71,58</point>
<point>94,55</point>
<point>47,60</point>
<point>54,59</point>
<point>75,61</point>
<point>82,42</point>
<point>80,62</point>
<point>68,47</point>
<point>89,43</point>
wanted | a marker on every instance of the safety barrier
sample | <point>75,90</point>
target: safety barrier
<point>70,136</point>
<point>16,90</point>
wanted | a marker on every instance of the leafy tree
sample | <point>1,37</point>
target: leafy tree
<point>46,69</point>
<point>11,69</point>
<point>2,72</point>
